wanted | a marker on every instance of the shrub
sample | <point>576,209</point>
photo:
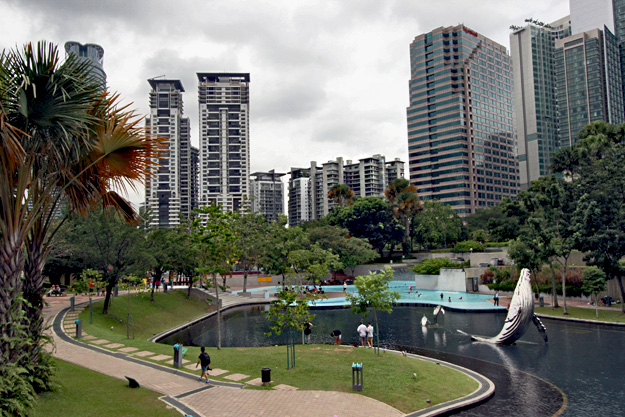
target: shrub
<point>468,245</point>
<point>432,266</point>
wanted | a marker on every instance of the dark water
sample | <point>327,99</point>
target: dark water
<point>583,361</point>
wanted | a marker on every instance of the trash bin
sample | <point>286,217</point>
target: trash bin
<point>265,376</point>
<point>78,329</point>
<point>357,376</point>
<point>541,302</point>
<point>178,355</point>
<point>72,302</point>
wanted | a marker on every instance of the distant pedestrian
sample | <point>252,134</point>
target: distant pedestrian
<point>370,335</point>
<point>307,331</point>
<point>441,296</point>
<point>204,360</point>
<point>362,333</point>
<point>449,299</point>
<point>337,336</point>
<point>344,286</point>
<point>496,298</point>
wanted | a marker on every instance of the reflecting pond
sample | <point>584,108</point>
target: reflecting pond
<point>585,361</point>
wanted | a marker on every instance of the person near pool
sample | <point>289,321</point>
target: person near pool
<point>496,298</point>
<point>205,360</point>
<point>337,336</point>
<point>441,296</point>
<point>370,335</point>
<point>344,286</point>
<point>362,332</point>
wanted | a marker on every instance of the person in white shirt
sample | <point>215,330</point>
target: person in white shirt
<point>370,335</point>
<point>362,332</point>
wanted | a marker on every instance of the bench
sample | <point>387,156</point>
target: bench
<point>56,293</point>
<point>132,383</point>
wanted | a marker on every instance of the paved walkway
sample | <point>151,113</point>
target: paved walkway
<point>185,392</point>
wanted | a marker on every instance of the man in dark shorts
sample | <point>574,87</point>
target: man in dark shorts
<point>205,360</point>
<point>337,335</point>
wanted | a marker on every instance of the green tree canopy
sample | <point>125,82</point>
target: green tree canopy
<point>404,203</point>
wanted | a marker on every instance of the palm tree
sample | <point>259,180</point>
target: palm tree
<point>69,143</point>
<point>342,195</point>
<point>404,201</point>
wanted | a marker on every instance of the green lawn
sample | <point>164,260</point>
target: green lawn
<point>388,378</point>
<point>615,315</point>
<point>82,392</point>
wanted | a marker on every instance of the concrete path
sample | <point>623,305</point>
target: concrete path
<point>183,391</point>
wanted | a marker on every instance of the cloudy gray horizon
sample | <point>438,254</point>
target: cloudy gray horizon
<point>328,78</point>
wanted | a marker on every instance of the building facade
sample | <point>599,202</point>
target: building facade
<point>224,139</point>
<point>461,123</point>
<point>91,53</point>
<point>368,177</point>
<point>169,190</point>
<point>533,56</point>
<point>299,196</point>
<point>589,83</point>
<point>267,194</point>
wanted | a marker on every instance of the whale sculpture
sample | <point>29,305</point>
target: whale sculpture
<point>520,315</point>
<point>437,311</point>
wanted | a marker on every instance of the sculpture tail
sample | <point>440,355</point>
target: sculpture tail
<point>541,327</point>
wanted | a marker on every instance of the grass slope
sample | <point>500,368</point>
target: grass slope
<point>82,392</point>
<point>388,378</point>
<point>582,313</point>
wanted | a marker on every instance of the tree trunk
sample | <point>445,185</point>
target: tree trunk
<point>11,263</point>
<point>597,305</point>
<point>107,299</point>
<point>620,284</point>
<point>564,271</point>
<point>377,331</point>
<point>554,290</point>
<point>218,312</point>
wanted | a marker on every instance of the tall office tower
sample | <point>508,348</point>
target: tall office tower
<point>224,101</point>
<point>267,194</point>
<point>194,177</point>
<point>299,196</point>
<point>461,140</point>
<point>588,80</point>
<point>92,53</point>
<point>533,58</point>
<point>168,190</point>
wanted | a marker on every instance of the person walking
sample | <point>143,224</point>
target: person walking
<point>204,360</point>
<point>496,298</point>
<point>370,335</point>
<point>344,286</point>
<point>362,333</point>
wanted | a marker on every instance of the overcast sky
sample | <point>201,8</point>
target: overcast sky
<point>328,78</point>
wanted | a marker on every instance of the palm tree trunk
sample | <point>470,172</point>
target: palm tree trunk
<point>33,294</point>
<point>11,263</point>
<point>564,270</point>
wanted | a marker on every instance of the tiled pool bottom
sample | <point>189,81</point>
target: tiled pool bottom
<point>417,297</point>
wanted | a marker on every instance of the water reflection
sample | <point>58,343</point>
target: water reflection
<point>585,361</point>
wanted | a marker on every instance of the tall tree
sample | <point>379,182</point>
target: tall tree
<point>437,225</point>
<point>278,245</point>
<point>342,195</point>
<point>104,241</point>
<point>369,218</point>
<point>249,229</point>
<point>593,283</point>
<point>373,292</point>
<point>352,251</point>
<point>596,173</point>
<point>214,239</point>
<point>404,202</point>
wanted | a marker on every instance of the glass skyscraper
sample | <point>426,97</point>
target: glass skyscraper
<point>461,138</point>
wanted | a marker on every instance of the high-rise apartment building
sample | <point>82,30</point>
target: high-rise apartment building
<point>299,196</point>
<point>368,177</point>
<point>533,58</point>
<point>267,194</point>
<point>91,53</point>
<point>169,190</point>
<point>461,136</point>
<point>224,139</point>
